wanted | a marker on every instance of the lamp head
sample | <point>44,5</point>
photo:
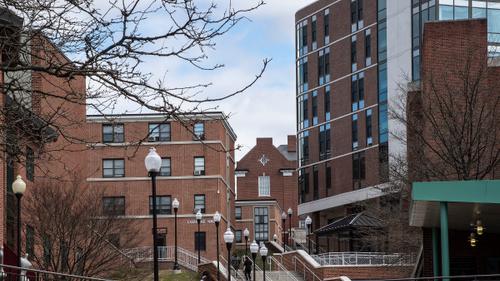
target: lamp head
<point>175,204</point>
<point>19,186</point>
<point>152,161</point>
<point>199,216</point>
<point>283,215</point>
<point>290,211</point>
<point>217,217</point>
<point>228,236</point>
<point>308,221</point>
<point>246,233</point>
<point>263,250</point>
<point>254,247</point>
<point>275,237</point>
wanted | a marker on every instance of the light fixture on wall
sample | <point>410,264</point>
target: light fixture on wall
<point>472,239</point>
<point>479,227</point>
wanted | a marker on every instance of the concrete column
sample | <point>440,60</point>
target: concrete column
<point>445,253</point>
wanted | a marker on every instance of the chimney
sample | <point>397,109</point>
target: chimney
<point>292,143</point>
<point>264,141</point>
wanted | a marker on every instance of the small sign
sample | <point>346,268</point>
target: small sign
<point>203,221</point>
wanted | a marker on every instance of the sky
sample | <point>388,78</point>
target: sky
<point>268,108</point>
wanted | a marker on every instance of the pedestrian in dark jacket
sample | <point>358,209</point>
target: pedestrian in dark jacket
<point>247,267</point>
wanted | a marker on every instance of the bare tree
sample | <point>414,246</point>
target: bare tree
<point>58,56</point>
<point>71,233</point>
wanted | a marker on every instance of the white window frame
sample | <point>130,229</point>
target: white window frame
<point>261,181</point>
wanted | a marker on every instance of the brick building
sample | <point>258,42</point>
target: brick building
<point>266,187</point>
<point>462,58</point>
<point>199,172</point>
<point>350,56</point>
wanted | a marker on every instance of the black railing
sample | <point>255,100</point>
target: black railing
<point>484,277</point>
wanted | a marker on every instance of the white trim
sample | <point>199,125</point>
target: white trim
<point>240,173</point>
<point>317,11</point>
<point>338,156</point>
<point>157,178</point>
<point>120,144</point>
<point>336,80</point>
<point>287,173</point>
<point>342,199</point>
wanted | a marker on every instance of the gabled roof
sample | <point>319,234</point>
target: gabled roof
<point>289,155</point>
<point>350,221</point>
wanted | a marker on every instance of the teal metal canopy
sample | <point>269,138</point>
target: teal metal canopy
<point>476,191</point>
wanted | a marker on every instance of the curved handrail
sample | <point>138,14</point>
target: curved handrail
<point>315,277</point>
<point>44,272</point>
<point>283,269</point>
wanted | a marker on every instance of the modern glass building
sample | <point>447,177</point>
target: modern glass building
<point>430,10</point>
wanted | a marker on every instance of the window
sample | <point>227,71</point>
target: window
<point>200,241</point>
<point>113,206</point>
<point>302,38</point>
<point>326,26</point>
<point>303,185</point>
<point>356,15</point>
<point>315,107</point>
<point>237,236</point>
<point>324,141</point>
<point>354,65</point>
<point>163,205</point>
<point>199,130</point>
<point>327,103</point>
<point>369,138</point>
<point>47,251</point>
<point>199,203</point>
<point>303,111</point>
<point>237,213</point>
<point>64,255</point>
<point>30,164</point>
<point>303,75</point>
<point>113,168</point>
<point>358,169</point>
<point>315,183</point>
<point>324,66</point>
<point>354,131</point>
<point>261,224</point>
<point>328,176</point>
<point>30,240</point>
<point>114,239</point>
<point>199,166</point>
<point>358,91</point>
<point>304,147</point>
<point>368,47</point>
<point>159,132</point>
<point>165,169</point>
<point>264,185</point>
<point>314,33</point>
<point>112,133</point>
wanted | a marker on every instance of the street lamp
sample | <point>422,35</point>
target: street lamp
<point>153,165</point>
<point>290,212</point>
<point>246,233</point>
<point>263,254</point>
<point>283,221</point>
<point>308,225</point>
<point>198,219</point>
<point>19,187</point>
<point>275,238</point>
<point>254,248</point>
<point>175,205</point>
<point>229,238</point>
<point>217,221</point>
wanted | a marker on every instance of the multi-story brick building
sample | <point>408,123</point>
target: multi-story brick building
<point>350,56</point>
<point>266,187</point>
<point>197,169</point>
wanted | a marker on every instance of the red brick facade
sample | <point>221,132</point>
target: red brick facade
<point>279,164</point>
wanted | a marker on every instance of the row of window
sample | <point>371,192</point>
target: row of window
<point>324,137</point>
<point>115,205</point>
<point>157,132</point>
<point>261,224</point>
<point>115,168</point>
<point>358,175</point>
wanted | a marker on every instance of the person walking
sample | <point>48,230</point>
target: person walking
<point>247,267</point>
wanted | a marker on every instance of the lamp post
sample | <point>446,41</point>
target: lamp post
<point>308,225</point>
<point>217,221</point>
<point>19,187</point>
<point>254,248</point>
<point>263,254</point>
<point>175,205</point>
<point>283,221</point>
<point>290,212</point>
<point>229,238</point>
<point>246,233</point>
<point>198,219</point>
<point>153,165</point>
<point>3,275</point>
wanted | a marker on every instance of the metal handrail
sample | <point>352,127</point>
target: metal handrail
<point>166,253</point>
<point>315,277</point>
<point>281,268</point>
<point>451,277</point>
<point>364,258</point>
<point>224,269</point>
<point>41,274</point>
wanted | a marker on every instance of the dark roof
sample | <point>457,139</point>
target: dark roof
<point>289,155</point>
<point>350,221</point>
<point>9,18</point>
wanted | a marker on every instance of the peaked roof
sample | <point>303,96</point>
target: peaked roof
<point>354,220</point>
<point>289,155</point>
